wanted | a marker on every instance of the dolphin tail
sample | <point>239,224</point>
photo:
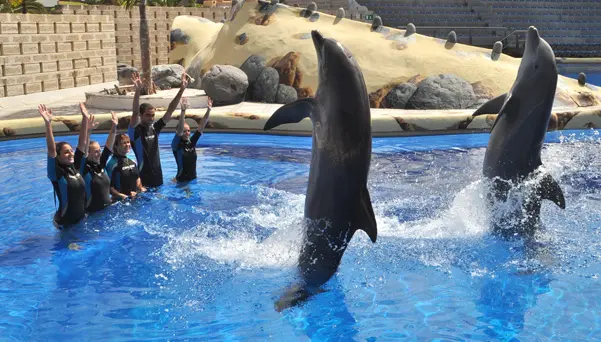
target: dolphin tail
<point>366,219</point>
<point>293,296</point>
<point>491,107</point>
<point>292,112</point>
<point>549,189</point>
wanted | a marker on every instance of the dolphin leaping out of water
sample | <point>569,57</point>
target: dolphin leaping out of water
<point>337,202</point>
<point>514,148</point>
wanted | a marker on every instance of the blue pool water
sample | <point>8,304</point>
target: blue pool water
<point>207,261</point>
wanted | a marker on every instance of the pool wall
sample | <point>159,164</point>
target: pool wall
<point>249,117</point>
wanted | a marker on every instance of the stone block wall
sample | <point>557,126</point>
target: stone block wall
<point>127,28</point>
<point>50,52</point>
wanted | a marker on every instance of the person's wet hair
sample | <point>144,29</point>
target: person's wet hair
<point>60,145</point>
<point>144,107</point>
<point>120,137</point>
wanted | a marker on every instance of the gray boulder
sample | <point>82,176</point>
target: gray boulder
<point>252,66</point>
<point>444,91</point>
<point>225,84</point>
<point>398,97</point>
<point>124,73</point>
<point>167,76</point>
<point>265,87</point>
<point>285,94</point>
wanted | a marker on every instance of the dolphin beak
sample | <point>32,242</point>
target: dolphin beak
<point>532,38</point>
<point>318,39</point>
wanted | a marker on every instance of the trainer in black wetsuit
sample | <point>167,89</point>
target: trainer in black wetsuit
<point>69,188</point>
<point>144,133</point>
<point>98,183</point>
<point>123,172</point>
<point>64,173</point>
<point>184,147</point>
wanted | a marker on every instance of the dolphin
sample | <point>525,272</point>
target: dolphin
<point>337,201</point>
<point>513,154</point>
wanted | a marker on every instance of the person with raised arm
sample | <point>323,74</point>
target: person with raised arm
<point>123,172</point>
<point>98,183</point>
<point>184,147</point>
<point>144,133</point>
<point>64,173</point>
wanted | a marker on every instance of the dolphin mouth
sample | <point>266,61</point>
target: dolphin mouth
<point>318,38</point>
<point>532,38</point>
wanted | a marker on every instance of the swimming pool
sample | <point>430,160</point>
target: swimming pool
<point>207,261</point>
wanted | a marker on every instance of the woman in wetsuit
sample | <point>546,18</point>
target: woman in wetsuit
<point>69,185</point>
<point>123,172</point>
<point>184,147</point>
<point>98,183</point>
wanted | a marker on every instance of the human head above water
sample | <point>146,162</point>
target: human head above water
<point>122,144</point>
<point>94,152</point>
<point>147,114</point>
<point>64,153</point>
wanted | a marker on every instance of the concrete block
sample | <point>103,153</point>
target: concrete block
<point>80,46</point>
<point>9,28</point>
<point>33,68</point>
<point>80,63</point>
<point>45,28</point>
<point>28,28</point>
<point>95,79</point>
<point>66,82</point>
<point>11,49</point>
<point>65,65</point>
<point>29,48</point>
<point>78,28</point>
<point>12,70</point>
<point>49,67</point>
<point>15,90</point>
<point>62,28</point>
<point>63,47</point>
<point>50,85</point>
<point>82,81</point>
<point>47,47</point>
<point>31,88</point>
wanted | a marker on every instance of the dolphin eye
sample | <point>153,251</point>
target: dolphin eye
<point>535,66</point>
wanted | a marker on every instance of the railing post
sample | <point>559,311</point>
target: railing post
<point>469,33</point>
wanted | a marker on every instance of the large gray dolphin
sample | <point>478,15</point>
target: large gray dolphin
<point>337,202</point>
<point>516,138</point>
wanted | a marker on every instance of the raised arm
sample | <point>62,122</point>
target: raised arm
<point>110,140</point>
<point>83,130</point>
<point>203,122</point>
<point>175,101</point>
<point>47,116</point>
<point>182,117</point>
<point>135,117</point>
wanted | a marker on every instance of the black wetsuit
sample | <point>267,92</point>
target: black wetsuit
<point>69,187</point>
<point>145,143</point>
<point>98,183</point>
<point>185,156</point>
<point>123,174</point>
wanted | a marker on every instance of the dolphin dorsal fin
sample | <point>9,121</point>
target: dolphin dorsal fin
<point>491,107</point>
<point>292,112</point>
<point>366,220</point>
<point>549,189</point>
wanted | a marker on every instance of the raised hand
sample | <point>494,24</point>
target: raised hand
<point>84,111</point>
<point>135,78</point>
<point>184,80</point>
<point>92,124</point>
<point>114,119</point>
<point>46,113</point>
<point>184,103</point>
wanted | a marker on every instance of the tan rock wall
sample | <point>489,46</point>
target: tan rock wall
<point>50,52</point>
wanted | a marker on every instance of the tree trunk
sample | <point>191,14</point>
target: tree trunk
<point>145,51</point>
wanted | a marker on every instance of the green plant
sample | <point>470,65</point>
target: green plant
<point>22,6</point>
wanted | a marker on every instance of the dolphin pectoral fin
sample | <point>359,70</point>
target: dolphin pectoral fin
<point>367,219</point>
<point>292,112</point>
<point>491,107</point>
<point>549,189</point>
<point>295,295</point>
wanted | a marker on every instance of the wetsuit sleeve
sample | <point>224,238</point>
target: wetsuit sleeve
<point>195,138</point>
<point>106,154</point>
<point>158,125</point>
<point>52,174</point>
<point>175,142</point>
<point>79,161</point>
